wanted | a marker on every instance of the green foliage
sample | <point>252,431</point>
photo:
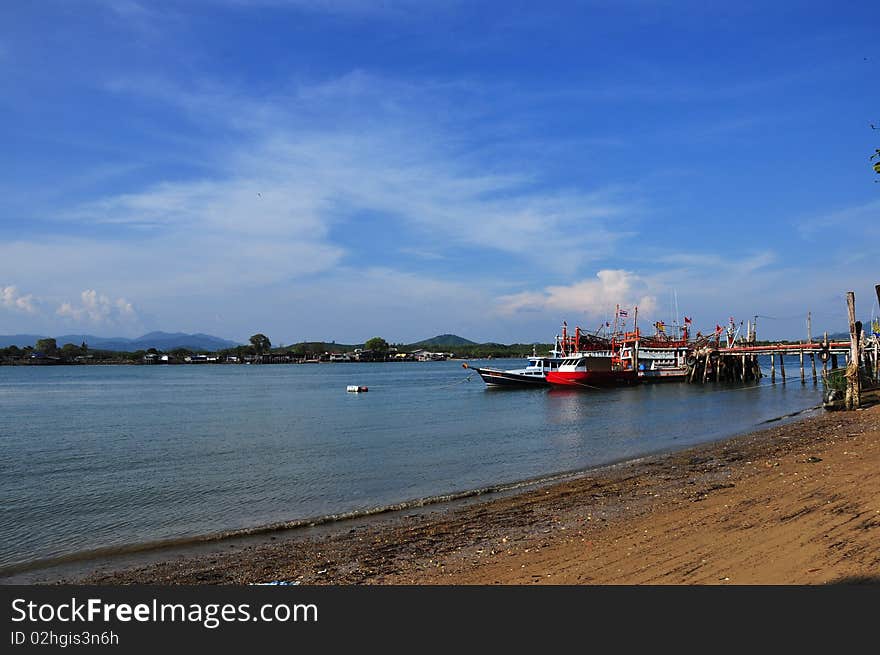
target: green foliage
<point>46,346</point>
<point>377,344</point>
<point>309,348</point>
<point>483,350</point>
<point>261,343</point>
<point>70,352</point>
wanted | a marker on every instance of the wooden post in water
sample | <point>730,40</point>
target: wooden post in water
<point>744,369</point>
<point>706,368</point>
<point>772,368</point>
<point>853,383</point>
<point>782,366</point>
<point>813,366</point>
<point>802,367</point>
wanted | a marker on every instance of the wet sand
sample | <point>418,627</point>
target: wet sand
<point>798,503</point>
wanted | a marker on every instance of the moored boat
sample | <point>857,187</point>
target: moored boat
<point>538,367</point>
<point>588,370</point>
<point>533,375</point>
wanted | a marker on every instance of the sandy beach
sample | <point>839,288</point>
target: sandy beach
<point>796,503</point>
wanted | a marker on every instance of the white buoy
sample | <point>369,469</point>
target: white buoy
<point>353,388</point>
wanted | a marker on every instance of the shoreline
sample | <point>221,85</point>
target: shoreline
<point>504,537</point>
<point>74,564</point>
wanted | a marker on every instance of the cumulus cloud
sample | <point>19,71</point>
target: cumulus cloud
<point>595,296</point>
<point>12,299</point>
<point>98,309</point>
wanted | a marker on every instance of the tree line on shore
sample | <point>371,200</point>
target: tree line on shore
<point>260,345</point>
<point>48,351</point>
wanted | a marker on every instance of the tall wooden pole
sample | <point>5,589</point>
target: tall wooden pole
<point>772,367</point>
<point>782,366</point>
<point>802,366</point>
<point>853,383</point>
<point>877,342</point>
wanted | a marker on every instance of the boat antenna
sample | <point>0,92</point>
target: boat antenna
<point>675,322</point>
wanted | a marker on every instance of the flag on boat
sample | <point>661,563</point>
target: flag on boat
<point>687,320</point>
<point>623,312</point>
<point>661,326</point>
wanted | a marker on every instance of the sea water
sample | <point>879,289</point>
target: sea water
<point>104,457</point>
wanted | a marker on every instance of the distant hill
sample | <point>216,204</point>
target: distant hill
<point>157,340</point>
<point>444,340</point>
<point>20,340</point>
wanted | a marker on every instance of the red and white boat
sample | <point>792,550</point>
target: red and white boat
<point>535,374</point>
<point>588,370</point>
<point>630,358</point>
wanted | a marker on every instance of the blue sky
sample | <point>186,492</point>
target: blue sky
<point>342,169</point>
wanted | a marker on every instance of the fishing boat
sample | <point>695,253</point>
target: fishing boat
<point>588,370</point>
<point>538,367</point>
<point>631,358</point>
<point>533,375</point>
<point>661,358</point>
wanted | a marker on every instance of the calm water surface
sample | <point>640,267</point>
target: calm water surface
<point>97,456</point>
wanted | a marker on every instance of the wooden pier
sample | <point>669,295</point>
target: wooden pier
<point>848,364</point>
<point>740,363</point>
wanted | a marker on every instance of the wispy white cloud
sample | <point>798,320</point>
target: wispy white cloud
<point>11,298</point>
<point>860,219</point>
<point>98,309</point>
<point>308,163</point>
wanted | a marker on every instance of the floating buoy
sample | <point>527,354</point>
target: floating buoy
<point>465,365</point>
<point>353,388</point>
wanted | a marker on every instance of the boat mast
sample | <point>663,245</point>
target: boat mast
<point>635,349</point>
<point>675,322</point>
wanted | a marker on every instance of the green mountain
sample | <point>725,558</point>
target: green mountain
<point>443,340</point>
